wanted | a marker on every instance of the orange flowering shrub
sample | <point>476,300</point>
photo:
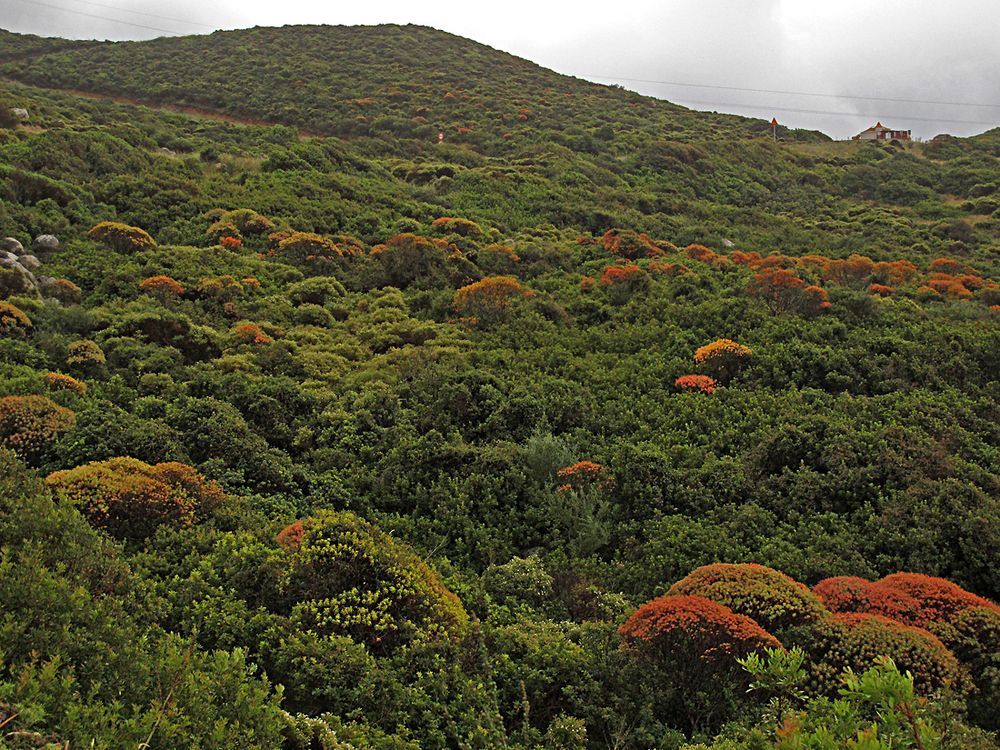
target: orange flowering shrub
<point>855,641</point>
<point>701,383</point>
<point>894,272</point>
<point>949,285</point>
<point>750,260</point>
<point>701,253</point>
<point>948,266</point>
<point>783,290</point>
<point>693,639</point>
<point>668,269</point>
<point>771,598</point>
<point>995,309</point>
<point>585,475</point>
<point>722,357</point>
<point>846,594</point>
<point>14,323</point>
<point>628,275</point>
<point>881,290</point>
<point>60,382</point>
<point>30,424</point>
<point>587,282</point>
<point>231,243</point>
<point>250,282</point>
<point>163,288</point>
<point>939,600</point>
<point>628,244</point>
<point>489,299</point>
<point>345,576</point>
<point>251,333</point>
<point>121,238</point>
<point>855,271</point>
<point>130,498</point>
<point>464,227</point>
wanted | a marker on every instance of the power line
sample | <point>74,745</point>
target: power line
<point>769,108</point>
<point>103,18</point>
<point>148,15</point>
<point>796,93</point>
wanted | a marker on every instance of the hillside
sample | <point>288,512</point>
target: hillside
<point>317,433</point>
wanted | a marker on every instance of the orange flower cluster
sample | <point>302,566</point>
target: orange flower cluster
<point>958,287</point>
<point>695,638</point>
<point>251,333</point>
<point>881,290</point>
<point>785,291</point>
<point>13,321</point>
<point>669,269</point>
<point>585,475</point>
<point>30,424</point>
<point>624,274</point>
<point>701,383</point>
<point>162,287</point>
<point>60,382</point>
<point>627,244</point>
<point>489,299</point>
<point>250,282</point>
<point>130,498</point>
<point>231,243</point>
<point>928,626</point>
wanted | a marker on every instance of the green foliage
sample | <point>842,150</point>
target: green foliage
<point>321,364</point>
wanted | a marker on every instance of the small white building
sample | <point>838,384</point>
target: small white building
<point>879,132</point>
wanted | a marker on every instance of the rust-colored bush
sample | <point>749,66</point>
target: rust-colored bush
<point>130,499</point>
<point>774,600</point>
<point>629,275</point>
<point>29,425</point>
<point>489,299</point>
<point>251,333</point>
<point>881,290</point>
<point>585,475</point>
<point>692,639</point>
<point>58,381</point>
<point>14,323</point>
<point>162,287</point>
<point>629,245</point>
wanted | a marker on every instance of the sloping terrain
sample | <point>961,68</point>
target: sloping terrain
<point>322,434</point>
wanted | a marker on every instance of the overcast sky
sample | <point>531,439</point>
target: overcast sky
<point>850,57</point>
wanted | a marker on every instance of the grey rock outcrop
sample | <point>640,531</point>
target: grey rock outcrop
<point>11,245</point>
<point>45,244</point>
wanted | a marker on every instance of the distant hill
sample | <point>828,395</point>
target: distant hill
<point>524,146</point>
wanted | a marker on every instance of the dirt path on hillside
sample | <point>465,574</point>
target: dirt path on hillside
<point>199,112</point>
